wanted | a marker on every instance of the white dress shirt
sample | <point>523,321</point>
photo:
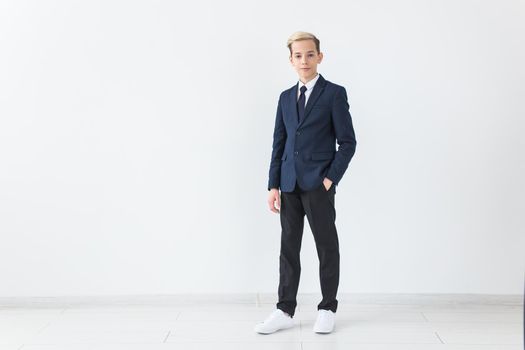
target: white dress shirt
<point>309,86</point>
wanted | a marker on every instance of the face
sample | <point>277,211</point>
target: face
<point>305,59</point>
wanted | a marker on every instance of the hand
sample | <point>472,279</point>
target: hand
<point>327,183</point>
<point>272,198</point>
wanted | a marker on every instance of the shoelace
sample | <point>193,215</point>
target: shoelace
<point>272,316</point>
<point>323,315</point>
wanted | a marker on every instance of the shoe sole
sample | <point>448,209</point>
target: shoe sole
<point>324,332</point>
<point>285,327</point>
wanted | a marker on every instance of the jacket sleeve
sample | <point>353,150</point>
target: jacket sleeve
<point>345,136</point>
<point>279,140</point>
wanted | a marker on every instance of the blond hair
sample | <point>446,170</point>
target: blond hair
<point>298,36</point>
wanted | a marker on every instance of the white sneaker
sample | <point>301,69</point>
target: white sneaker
<point>325,321</point>
<point>278,319</point>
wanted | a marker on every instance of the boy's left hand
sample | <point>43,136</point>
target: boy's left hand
<point>327,183</point>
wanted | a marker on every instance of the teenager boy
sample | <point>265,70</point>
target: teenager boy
<point>311,117</point>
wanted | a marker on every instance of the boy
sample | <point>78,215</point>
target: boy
<point>311,116</point>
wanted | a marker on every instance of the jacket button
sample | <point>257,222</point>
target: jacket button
<point>296,153</point>
<point>298,133</point>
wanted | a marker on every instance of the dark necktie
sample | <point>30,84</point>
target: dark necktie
<point>300,104</point>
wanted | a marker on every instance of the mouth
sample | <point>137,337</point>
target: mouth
<point>305,68</point>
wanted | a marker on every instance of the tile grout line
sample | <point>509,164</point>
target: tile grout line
<point>167,336</point>
<point>425,317</point>
<point>441,340</point>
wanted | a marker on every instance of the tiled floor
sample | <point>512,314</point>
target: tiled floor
<point>211,322</point>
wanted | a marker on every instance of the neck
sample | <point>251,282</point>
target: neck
<point>307,79</point>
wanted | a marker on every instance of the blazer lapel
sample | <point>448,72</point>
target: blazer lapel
<point>316,92</point>
<point>293,105</point>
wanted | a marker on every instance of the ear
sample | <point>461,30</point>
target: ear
<point>320,57</point>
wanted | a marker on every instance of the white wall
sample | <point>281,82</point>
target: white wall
<point>135,139</point>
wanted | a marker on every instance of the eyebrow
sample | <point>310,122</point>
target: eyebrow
<point>307,52</point>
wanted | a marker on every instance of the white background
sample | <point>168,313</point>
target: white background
<point>135,140</point>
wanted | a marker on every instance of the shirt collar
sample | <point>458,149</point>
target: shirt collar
<point>309,84</point>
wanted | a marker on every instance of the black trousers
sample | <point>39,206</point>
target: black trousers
<point>319,207</point>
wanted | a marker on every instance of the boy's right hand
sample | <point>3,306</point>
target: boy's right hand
<point>274,197</point>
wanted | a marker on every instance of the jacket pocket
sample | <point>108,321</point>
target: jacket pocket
<point>322,155</point>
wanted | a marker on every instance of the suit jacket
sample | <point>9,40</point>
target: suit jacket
<point>305,152</point>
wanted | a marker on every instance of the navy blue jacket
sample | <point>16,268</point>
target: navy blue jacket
<point>306,152</point>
